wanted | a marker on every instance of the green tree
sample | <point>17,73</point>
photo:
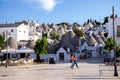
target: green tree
<point>2,41</point>
<point>63,23</point>
<point>117,51</point>
<point>78,32</point>
<point>97,22</point>
<point>41,47</point>
<point>54,35</point>
<point>75,23</point>
<point>109,45</point>
<point>105,20</point>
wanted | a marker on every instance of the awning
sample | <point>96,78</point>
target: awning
<point>12,51</point>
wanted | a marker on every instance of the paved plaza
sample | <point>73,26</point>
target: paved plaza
<point>88,70</point>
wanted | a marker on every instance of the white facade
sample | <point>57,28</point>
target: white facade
<point>16,53</point>
<point>109,28</point>
<point>11,31</point>
<point>62,51</point>
<point>22,32</point>
<point>60,56</point>
<point>90,49</point>
<point>18,32</point>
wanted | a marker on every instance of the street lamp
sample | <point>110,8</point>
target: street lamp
<point>6,36</point>
<point>115,66</point>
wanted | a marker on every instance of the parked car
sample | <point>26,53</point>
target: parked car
<point>52,60</point>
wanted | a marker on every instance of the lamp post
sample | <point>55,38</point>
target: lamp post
<point>115,66</point>
<point>6,65</point>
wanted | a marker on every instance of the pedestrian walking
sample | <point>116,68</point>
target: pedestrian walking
<point>73,61</point>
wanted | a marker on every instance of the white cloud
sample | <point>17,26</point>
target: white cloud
<point>47,5</point>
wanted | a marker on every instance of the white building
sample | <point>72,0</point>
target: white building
<point>35,36</point>
<point>109,28</point>
<point>20,53</point>
<point>62,55</point>
<point>18,31</point>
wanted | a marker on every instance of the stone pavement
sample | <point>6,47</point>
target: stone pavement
<point>60,71</point>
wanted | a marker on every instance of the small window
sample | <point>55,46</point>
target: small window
<point>12,30</point>
<point>19,31</point>
<point>118,31</point>
<point>24,31</point>
<point>14,55</point>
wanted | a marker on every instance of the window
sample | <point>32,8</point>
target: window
<point>12,30</point>
<point>118,31</point>
<point>24,31</point>
<point>14,55</point>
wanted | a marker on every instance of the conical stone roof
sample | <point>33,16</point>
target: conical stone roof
<point>12,43</point>
<point>88,26</point>
<point>91,41</point>
<point>98,38</point>
<point>69,40</point>
<point>102,36</point>
<point>69,35</point>
<point>67,44</point>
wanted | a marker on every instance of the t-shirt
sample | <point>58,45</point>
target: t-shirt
<point>73,58</point>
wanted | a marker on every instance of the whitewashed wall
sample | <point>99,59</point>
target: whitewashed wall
<point>85,46</point>
<point>109,27</point>
<point>9,32</point>
<point>61,50</point>
<point>19,33</point>
<point>22,32</point>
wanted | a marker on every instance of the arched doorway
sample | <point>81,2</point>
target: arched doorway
<point>61,56</point>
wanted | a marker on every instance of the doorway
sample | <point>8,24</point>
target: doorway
<point>61,56</point>
<point>22,55</point>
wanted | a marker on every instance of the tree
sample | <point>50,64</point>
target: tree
<point>117,51</point>
<point>105,20</point>
<point>2,41</point>
<point>88,21</point>
<point>97,23</point>
<point>110,46</point>
<point>75,23</point>
<point>63,23</point>
<point>41,47</point>
<point>78,32</point>
<point>54,35</point>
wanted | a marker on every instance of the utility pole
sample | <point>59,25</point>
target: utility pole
<point>6,65</point>
<point>115,66</point>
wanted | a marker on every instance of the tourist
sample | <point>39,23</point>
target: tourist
<point>73,61</point>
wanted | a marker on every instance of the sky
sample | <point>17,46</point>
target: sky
<point>57,11</point>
